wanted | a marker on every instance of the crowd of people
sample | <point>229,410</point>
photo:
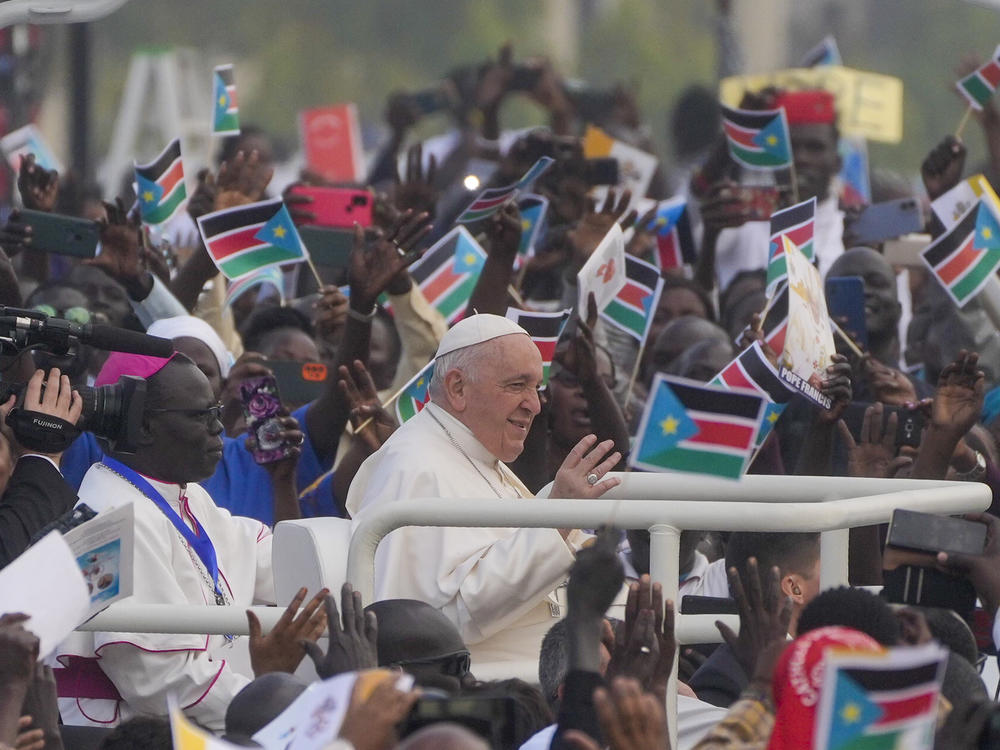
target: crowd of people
<point>500,422</point>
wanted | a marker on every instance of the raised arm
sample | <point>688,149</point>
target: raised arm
<point>373,264</point>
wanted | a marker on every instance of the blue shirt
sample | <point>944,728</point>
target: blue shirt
<point>239,484</point>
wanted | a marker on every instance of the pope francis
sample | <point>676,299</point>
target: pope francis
<point>495,584</point>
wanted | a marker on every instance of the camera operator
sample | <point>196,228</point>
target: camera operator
<point>36,493</point>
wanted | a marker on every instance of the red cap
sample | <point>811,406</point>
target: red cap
<point>814,106</point>
<point>798,678</point>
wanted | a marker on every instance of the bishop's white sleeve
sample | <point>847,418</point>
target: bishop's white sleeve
<point>203,686</point>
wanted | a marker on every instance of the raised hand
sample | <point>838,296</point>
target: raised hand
<point>837,387</point>
<point>39,188</point>
<point>292,437</point>
<point>587,460</point>
<point>330,313</point>
<point>282,649</point>
<point>764,615</point>
<point>249,365</point>
<point>416,192</point>
<point>202,200</point>
<point>362,398</point>
<point>636,651</point>
<point>889,385</point>
<point>942,169</point>
<point>982,570</point>
<point>504,231</point>
<point>724,208</point>
<point>243,180</point>
<point>495,78</point>
<point>376,261</point>
<point>874,455</point>
<point>958,401</point>
<point>353,636</point>
<point>15,235</point>
<point>595,224</point>
<point>122,256</point>
<point>595,578</point>
<point>643,241</point>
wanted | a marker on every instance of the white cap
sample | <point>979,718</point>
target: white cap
<point>476,329</point>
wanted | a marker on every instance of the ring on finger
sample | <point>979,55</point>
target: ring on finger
<point>592,479</point>
<point>399,250</point>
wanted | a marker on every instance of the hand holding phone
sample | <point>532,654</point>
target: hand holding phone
<point>64,235</point>
<point>337,208</point>
<point>262,409</point>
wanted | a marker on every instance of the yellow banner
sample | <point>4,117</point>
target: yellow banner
<point>869,105</point>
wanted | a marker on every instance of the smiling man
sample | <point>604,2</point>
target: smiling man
<point>494,584</point>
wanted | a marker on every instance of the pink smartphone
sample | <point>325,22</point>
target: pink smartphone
<point>338,208</point>
<point>261,407</point>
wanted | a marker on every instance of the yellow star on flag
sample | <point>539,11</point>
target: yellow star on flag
<point>987,233</point>
<point>772,140</point>
<point>280,232</point>
<point>851,713</point>
<point>470,258</point>
<point>147,196</point>
<point>525,225</point>
<point>669,425</point>
<point>772,417</point>
<point>222,100</point>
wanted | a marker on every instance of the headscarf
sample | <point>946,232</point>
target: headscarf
<point>195,328</point>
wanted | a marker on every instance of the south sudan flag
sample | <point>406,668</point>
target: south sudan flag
<point>758,139</point>
<point>243,239</point>
<point>160,185</point>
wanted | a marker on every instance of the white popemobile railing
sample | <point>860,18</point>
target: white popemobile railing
<point>666,504</point>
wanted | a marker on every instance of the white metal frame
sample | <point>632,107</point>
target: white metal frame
<point>666,504</point>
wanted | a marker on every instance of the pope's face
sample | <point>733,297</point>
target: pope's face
<point>502,398</point>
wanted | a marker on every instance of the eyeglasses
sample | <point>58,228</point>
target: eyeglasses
<point>79,315</point>
<point>211,414</point>
<point>452,665</point>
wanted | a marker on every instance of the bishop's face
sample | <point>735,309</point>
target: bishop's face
<point>501,400</point>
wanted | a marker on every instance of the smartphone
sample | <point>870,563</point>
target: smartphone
<point>601,171</point>
<point>327,247</point>
<point>845,300</point>
<point>299,382</point>
<point>261,406</point>
<point>906,250</point>
<point>339,208</point>
<point>909,422</point>
<point>909,427</point>
<point>64,235</point>
<point>525,78</point>
<point>435,99</point>
<point>708,605</point>
<point>926,532</point>
<point>759,201</point>
<point>883,221</point>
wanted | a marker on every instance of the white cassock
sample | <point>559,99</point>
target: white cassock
<point>745,248</point>
<point>145,668</point>
<point>494,584</point>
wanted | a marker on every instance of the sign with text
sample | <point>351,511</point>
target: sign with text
<point>869,105</point>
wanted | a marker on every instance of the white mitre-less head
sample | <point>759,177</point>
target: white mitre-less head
<point>477,329</point>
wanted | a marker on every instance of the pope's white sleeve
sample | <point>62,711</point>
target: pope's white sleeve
<point>203,686</point>
<point>509,580</point>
